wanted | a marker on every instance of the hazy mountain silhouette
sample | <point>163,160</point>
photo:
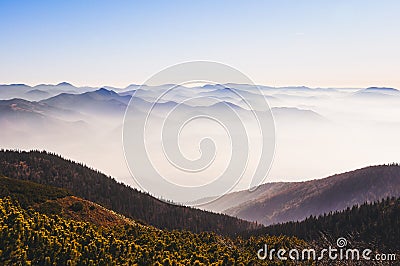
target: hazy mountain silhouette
<point>101,101</point>
<point>292,201</point>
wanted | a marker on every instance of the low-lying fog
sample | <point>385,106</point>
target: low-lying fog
<point>319,132</point>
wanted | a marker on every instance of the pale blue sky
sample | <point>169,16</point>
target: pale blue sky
<point>314,43</point>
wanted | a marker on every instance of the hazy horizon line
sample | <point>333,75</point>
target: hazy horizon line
<point>137,84</point>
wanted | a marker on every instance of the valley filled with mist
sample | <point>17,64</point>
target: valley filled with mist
<point>318,131</point>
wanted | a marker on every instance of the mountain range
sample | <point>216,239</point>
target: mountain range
<point>273,203</point>
<point>83,122</point>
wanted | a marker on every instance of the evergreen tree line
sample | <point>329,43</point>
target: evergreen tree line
<point>376,224</point>
<point>50,169</point>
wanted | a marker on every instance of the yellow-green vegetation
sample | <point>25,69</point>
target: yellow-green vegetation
<point>31,238</point>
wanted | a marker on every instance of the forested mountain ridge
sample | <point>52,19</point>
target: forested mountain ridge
<point>375,224</point>
<point>291,201</point>
<point>50,169</point>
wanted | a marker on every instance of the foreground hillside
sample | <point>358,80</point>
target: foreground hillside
<point>283,202</point>
<point>28,237</point>
<point>44,225</point>
<point>52,227</point>
<point>50,169</point>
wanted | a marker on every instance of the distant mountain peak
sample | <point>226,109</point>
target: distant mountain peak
<point>38,92</point>
<point>19,85</point>
<point>64,84</point>
<point>300,88</point>
<point>105,92</point>
<point>380,89</point>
